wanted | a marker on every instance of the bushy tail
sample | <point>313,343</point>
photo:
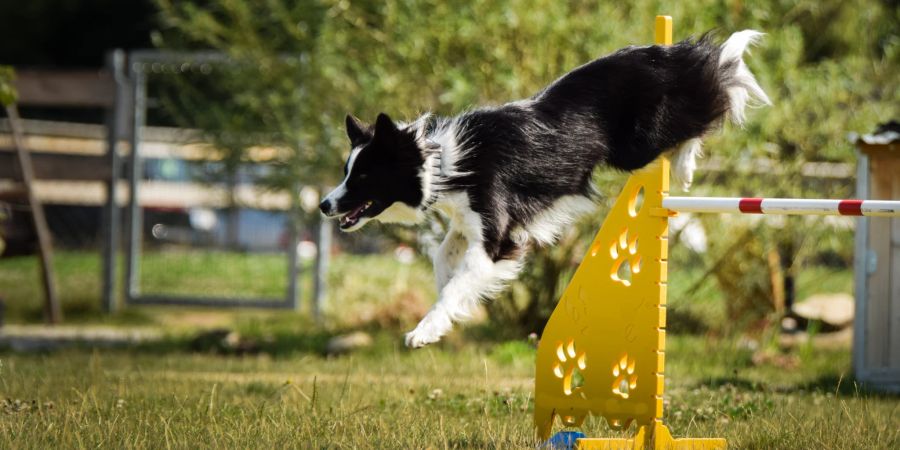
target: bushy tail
<point>741,85</point>
<point>742,89</point>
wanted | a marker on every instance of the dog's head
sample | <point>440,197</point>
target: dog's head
<point>382,176</point>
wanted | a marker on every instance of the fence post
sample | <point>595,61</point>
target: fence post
<point>135,220</point>
<point>323,254</point>
<point>861,273</point>
<point>293,294</point>
<point>115,64</point>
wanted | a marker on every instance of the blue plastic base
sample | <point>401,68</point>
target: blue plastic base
<point>564,440</point>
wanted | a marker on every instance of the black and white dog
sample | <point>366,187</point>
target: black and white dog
<point>517,174</point>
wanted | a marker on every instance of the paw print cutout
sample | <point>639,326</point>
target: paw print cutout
<point>568,366</point>
<point>626,260</point>
<point>625,379</point>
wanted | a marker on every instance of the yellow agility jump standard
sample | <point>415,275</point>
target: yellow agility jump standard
<point>603,349</point>
<point>609,325</point>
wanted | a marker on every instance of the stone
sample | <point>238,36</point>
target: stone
<point>347,343</point>
<point>835,310</point>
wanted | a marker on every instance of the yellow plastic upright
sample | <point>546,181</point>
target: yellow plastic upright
<point>603,349</point>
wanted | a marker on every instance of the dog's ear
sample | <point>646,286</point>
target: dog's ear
<point>356,131</point>
<point>384,126</point>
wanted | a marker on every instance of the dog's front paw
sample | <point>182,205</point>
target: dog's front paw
<point>419,339</point>
<point>430,330</point>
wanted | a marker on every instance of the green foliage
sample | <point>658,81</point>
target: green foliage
<point>266,95</point>
<point>825,76</point>
<point>7,92</point>
<point>407,56</point>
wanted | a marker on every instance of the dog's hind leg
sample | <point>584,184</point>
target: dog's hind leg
<point>684,162</point>
<point>448,257</point>
<point>476,277</point>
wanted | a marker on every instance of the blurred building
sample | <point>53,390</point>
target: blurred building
<point>876,352</point>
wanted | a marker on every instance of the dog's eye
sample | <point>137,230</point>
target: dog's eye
<point>363,176</point>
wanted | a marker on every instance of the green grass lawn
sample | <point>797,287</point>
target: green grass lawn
<point>464,393</point>
<point>392,398</point>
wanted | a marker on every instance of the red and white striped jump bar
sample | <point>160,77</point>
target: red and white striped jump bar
<point>783,206</point>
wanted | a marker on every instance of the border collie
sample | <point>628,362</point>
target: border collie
<point>515,175</point>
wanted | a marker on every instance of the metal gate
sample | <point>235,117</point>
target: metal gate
<point>141,64</point>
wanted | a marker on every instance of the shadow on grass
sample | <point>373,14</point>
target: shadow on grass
<point>847,385</point>
<point>679,321</point>
<point>827,383</point>
<point>733,381</point>
<point>221,342</point>
<point>275,339</point>
<point>83,310</point>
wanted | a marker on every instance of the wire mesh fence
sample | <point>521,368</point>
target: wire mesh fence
<point>206,224</point>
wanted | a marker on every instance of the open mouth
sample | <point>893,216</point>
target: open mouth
<point>352,218</point>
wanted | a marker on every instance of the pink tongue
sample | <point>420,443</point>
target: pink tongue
<point>356,211</point>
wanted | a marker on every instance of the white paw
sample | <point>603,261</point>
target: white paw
<point>430,330</point>
<point>418,339</point>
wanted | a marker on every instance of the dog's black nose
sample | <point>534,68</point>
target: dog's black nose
<point>325,207</point>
